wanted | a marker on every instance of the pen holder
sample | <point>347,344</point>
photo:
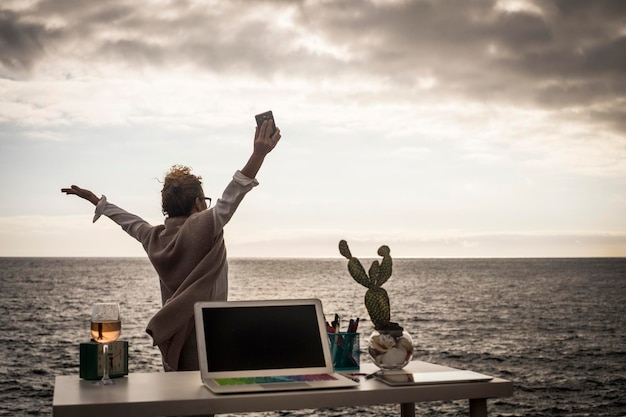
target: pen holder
<point>345,350</point>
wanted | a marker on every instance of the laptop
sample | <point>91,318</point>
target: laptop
<point>259,346</point>
<point>399,378</point>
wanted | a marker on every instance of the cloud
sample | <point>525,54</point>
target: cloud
<point>560,55</point>
<point>20,43</point>
<point>452,69</point>
<point>387,38</point>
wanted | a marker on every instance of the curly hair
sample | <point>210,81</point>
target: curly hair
<point>180,190</point>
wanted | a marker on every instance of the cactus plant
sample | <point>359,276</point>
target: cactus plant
<point>376,297</point>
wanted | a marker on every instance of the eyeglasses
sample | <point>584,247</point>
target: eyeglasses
<point>207,199</point>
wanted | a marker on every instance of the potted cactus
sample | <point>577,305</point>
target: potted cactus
<point>389,346</point>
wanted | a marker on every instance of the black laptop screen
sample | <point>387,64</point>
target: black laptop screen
<point>267,337</point>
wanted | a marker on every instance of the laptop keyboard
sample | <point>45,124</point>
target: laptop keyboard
<point>274,379</point>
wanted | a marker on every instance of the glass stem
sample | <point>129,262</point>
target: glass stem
<point>105,352</point>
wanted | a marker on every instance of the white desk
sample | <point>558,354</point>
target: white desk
<point>182,393</point>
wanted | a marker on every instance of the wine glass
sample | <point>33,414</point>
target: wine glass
<point>106,327</point>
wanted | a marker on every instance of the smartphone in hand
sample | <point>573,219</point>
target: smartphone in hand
<point>260,118</point>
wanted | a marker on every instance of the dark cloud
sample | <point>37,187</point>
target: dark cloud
<point>20,43</point>
<point>558,54</point>
<point>591,10</point>
<point>569,55</point>
<point>478,51</point>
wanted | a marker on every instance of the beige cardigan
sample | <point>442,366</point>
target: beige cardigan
<point>189,255</point>
<point>189,266</point>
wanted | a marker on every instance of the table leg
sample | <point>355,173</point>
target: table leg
<point>478,407</point>
<point>407,409</point>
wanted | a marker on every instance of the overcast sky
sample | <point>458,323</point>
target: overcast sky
<point>440,128</point>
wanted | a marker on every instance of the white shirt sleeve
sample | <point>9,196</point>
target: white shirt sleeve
<point>130,223</point>
<point>226,206</point>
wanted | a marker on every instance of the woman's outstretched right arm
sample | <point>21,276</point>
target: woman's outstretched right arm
<point>130,223</point>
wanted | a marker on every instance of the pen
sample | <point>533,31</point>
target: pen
<point>353,326</point>
<point>330,328</point>
<point>349,376</point>
<point>373,374</point>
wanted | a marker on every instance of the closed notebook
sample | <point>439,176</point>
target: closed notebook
<point>396,378</point>
<point>269,345</point>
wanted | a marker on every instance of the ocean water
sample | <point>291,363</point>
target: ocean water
<point>555,327</point>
